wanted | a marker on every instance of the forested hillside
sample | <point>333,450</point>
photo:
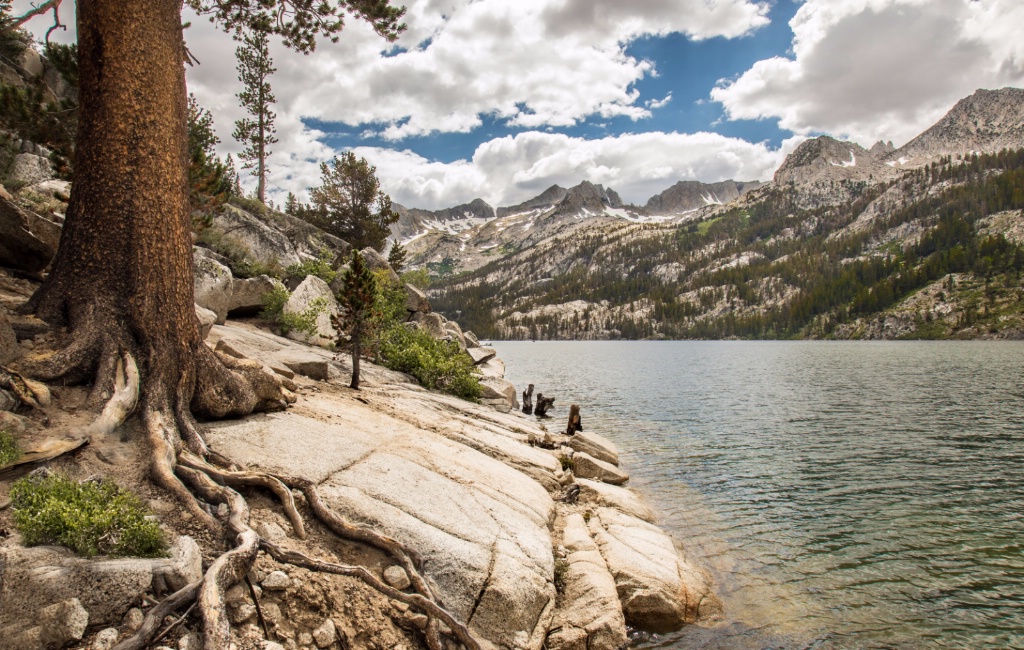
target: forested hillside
<point>934,254</point>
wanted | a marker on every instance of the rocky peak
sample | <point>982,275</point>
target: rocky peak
<point>825,159</point>
<point>588,198</point>
<point>414,221</point>
<point>985,122</point>
<point>881,149</point>
<point>686,196</point>
<point>546,199</point>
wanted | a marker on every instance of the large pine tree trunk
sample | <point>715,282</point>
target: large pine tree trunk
<point>124,267</point>
<point>122,279</point>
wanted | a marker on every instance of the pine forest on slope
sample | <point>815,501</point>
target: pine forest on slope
<point>918,242</point>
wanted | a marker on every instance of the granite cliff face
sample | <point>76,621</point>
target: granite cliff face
<point>987,121</point>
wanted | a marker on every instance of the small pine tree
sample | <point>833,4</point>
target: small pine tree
<point>396,256</point>
<point>209,182</point>
<point>257,133</point>
<point>291,204</point>
<point>349,203</point>
<point>357,300</point>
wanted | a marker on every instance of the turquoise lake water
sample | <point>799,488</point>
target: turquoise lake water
<point>843,495</point>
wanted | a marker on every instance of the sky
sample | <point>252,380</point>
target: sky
<point>500,99</point>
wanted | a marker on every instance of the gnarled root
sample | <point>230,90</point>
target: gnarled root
<point>231,566</point>
<point>418,601</point>
<point>249,479</point>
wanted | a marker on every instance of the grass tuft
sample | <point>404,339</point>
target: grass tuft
<point>9,451</point>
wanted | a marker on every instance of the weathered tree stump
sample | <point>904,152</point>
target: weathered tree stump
<point>528,400</point>
<point>575,423</point>
<point>543,404</point>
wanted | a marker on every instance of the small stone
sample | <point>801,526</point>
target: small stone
<point>396,576</point>
<point>133,619</point>
<point>271,531</point>
<point>241,613</point>
<point>223,510</point>
<point>305,638</point>
<point>272,645</point>
<point>28,344</point>
<point>271,612</point>
<point>276,581</point>
<point>190,641</point>
<point>236,595</point>
<point>325,635</point>
<point>419,621</point>
<point>106,639</point>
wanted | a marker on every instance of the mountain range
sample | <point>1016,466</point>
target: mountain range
<point>578,263</point>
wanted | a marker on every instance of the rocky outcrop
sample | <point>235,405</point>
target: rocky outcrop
<point>658,589</point>
<point>43,576</point>
<point>376,262</point>
<point>28,241</point>
<point>459,483</point>
<point>589,616</point>
<point>596,446</point>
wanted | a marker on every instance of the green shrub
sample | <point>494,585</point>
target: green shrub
<point>438,365</point>
<point>418,278</point>
<point>90,518</point>
<point>9,451</point>
<point>567,463</point>
<point>322,266</point>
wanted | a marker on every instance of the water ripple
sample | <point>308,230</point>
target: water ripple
<point>845,495</point>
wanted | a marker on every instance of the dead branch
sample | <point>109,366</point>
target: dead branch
<point>120,406</point>
<point>155,617</point>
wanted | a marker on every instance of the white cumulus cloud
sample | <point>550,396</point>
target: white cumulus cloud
<point>881,69</point>
<point>509,170</point>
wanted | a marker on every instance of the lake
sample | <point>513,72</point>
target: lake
<point>843,494</point>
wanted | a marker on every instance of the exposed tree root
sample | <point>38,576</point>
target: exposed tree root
<point>122,403</point>
<point>30,393</point>
<point>425,605</point>
<point>224,387</point>
<point>249,479</point>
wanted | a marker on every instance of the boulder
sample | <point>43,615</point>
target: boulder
<point>264,243</point>
<point>211,282</point>
<point>28,168</point>
<point>471,340</point>
<point>589,615</point>
<point>659,590</point>
<point>28,241</point>
<point>338,283</point>
<point>499,389</point>
<point>416,300</point>
<point>481,355</point>
<point>314,294</point>
<point>30,61</point>
<point>586,466</point>
<point>433,324</point>
<point>246,297</point>
<point>376,262</point>
<point>40,576</point>
<point>455,332</point>
<point>594,445</point>
<point>207,319</point>
<point>9,348</point>
<point>614,496</point>
<point>494,368</point>
<point>52,627</point>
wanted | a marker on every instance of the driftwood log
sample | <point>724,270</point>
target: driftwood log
<point>528,400</point>
<point>575,423</point>
<point>543,404</point>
